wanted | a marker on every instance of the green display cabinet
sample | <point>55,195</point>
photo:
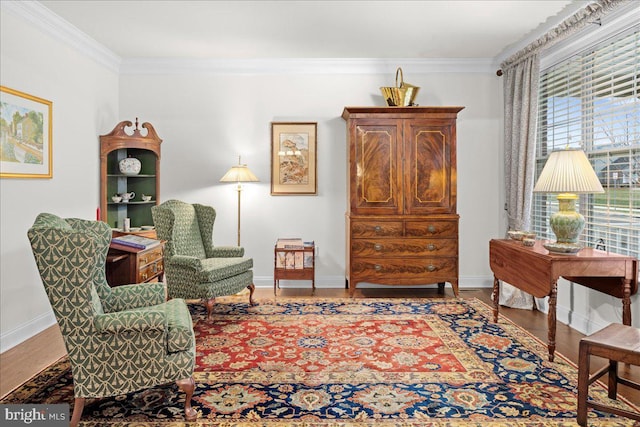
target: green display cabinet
<point>134,178</point>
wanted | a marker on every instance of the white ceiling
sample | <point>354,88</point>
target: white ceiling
<point>310,29</point>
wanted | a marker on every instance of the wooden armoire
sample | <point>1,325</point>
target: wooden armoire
<point>402,223</point>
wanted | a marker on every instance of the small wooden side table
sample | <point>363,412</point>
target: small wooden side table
<point>307,272</point>
<point>617,343</point>
<point>127,265</point>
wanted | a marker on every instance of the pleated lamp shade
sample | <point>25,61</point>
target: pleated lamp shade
<point>568,171</point>
<point>239,173</point>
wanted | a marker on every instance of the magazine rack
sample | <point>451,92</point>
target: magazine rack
<point>304,272</point>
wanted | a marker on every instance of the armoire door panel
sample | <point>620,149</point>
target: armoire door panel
<point>377,175</point>
<point>428,157</point>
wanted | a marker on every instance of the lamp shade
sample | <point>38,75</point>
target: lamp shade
<point>568,171</point>
<point>239,173</point>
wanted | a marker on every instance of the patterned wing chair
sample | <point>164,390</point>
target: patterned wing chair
<point>119,340</point>
<point>194,268</point>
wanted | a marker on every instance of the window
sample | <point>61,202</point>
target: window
<point>592,101</point>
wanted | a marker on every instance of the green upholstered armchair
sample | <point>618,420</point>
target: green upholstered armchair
<point>194,268</point>
<point>119,340</point>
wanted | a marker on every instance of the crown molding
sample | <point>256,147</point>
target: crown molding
<point>62,30</point>
<point>543,28</point>
<point>304,66</point>
<point>59,28</point>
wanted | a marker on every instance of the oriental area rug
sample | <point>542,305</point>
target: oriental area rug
<point>350,363</point>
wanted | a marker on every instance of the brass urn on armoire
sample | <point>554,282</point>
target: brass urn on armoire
<point>402,223</point>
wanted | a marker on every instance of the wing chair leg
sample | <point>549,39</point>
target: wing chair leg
<point>252,289</point>
<point>188,385</point>
<point>78,407</point>
<point>209,303</point>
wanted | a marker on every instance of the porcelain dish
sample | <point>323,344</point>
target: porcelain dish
<point>562,248</point>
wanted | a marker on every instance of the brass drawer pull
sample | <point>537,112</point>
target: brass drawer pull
<point>377,247</point>
<point>431,267</point>
<point>431,247</point>
<point>431,229</point>
<point>378,267</point>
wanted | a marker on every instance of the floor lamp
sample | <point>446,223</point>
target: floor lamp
<point>239,173</point>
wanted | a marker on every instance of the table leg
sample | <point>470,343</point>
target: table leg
<point>626,302</point>
<point>496,298</point>
<point>551,320</point>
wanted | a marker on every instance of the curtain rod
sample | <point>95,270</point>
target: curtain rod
<point>590,14</point>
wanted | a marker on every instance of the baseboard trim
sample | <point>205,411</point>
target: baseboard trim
<point>25,331</point>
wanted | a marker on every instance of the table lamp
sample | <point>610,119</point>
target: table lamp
<point>239,173</point>
<point>567,172</point>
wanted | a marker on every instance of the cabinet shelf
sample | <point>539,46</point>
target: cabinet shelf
<point>150,202</point>
<point>113,175</point>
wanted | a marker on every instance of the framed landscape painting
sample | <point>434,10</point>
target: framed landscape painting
<point>293,158</point>
<point>25,135</point>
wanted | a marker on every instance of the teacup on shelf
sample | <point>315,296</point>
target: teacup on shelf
<point>116,198</point>
<point>146,198</point>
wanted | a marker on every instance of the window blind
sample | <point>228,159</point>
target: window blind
<point>591,101</point>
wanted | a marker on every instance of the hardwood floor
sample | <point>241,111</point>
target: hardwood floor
<point>25,360</point>
<point>22,362</point>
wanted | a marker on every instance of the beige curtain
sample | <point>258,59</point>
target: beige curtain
<point>520,120</point>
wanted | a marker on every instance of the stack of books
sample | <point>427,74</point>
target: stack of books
<point>134,241</point>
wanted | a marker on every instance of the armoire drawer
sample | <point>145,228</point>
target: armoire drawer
<point>404,247</point>
<point>431,229</point>
<point>376,229</point>
<point>404,268</point>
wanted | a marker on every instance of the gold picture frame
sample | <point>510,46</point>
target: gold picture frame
<point>294,158</point>
<point>25,135</point>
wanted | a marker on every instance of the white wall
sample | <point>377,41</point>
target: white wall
<point>207,119</point>
<point>84,96</point>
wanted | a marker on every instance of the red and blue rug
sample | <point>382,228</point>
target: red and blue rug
<point>351,362</point>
